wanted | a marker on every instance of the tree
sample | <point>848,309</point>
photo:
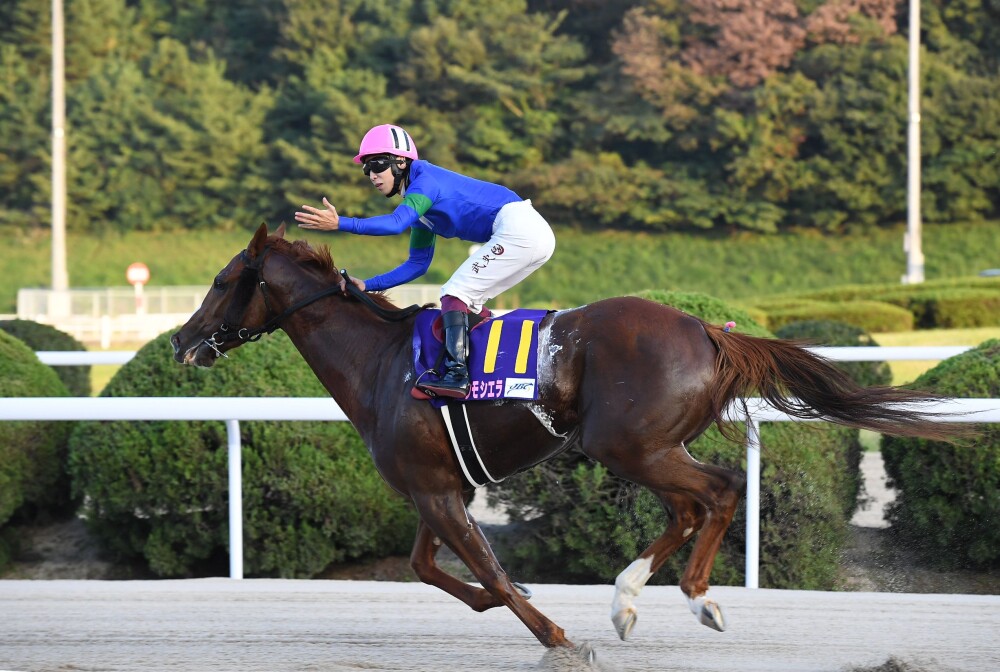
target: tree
<point>24,140</point>
<point>744,40</point>
<point>501,72</point>
<point>164,144</point>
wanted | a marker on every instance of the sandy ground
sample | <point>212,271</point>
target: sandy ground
<point>274,625</point>
<point>93,625</point>
<point>878,493</point>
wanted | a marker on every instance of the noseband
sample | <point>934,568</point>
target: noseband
<point>253,275</point>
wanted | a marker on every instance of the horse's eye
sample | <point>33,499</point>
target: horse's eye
<point>219,284</point>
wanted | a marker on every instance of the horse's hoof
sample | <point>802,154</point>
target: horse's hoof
<point>523,589</point>
<point>624,621</point>
<point>587,652</point>
<point>711,615</point>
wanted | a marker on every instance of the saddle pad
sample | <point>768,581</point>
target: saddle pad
<point>503,354</point>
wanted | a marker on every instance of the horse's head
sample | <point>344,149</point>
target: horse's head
<point>234,310</point>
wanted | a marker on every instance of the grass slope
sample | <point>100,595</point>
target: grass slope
<point>585,267</point>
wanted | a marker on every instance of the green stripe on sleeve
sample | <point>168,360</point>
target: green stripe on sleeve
<point>420,203</point>
<point>421,238</point>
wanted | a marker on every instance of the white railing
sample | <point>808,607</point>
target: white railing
<point>234,409</point>
<point>229,409</point>
<point>845,354</point>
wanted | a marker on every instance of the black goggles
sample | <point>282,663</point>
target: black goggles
<point>377,164</point>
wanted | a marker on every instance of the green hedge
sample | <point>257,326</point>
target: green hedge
<point>936,304</point>
<point>948,500</point>
<point>870,316</point>
<point>858,292</point>
<point>157,491</point>
<point>958,308</point>
<point>32,453</point>
<point>573,509</point>
<point>39,336</point>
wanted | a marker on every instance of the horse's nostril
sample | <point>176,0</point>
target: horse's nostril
<point>176,342</point>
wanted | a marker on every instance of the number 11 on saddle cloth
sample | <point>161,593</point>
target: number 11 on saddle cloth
<point>503,354</point>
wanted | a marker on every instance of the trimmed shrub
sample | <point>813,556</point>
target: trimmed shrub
<point>573,509</point>
<point>948,500</point>
<point>828,332</point>
<point>870,316</point>
<point>40,336</point>
<point>157,491</point>
<point>32,453</point>
<point>962,308</point>
<point>885,291</point>
<point>935,304</point>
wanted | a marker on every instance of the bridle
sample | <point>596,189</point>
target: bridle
<point>252,277</point>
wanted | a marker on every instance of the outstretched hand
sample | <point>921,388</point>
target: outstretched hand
<point>320,219</point>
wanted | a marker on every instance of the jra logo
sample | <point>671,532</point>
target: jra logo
<point>520,388</point>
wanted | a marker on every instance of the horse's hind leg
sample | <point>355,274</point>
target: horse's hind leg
<point>445,516</point>
<point>721,501</point>
<point>687,517</point>
<point>699,495</point>
<point>425,548</point>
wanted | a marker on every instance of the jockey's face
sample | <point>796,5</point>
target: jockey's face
<point>379,172</point>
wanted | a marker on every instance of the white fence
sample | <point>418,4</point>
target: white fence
<point>232,410</point>
<point>102,316</point>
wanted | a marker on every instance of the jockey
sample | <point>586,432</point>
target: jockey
<point>438,202</point>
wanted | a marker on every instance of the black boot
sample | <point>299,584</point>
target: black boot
<point>455,381</point>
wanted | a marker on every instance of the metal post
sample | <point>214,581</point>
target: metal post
<point>912,244</point>
<point>60,276</point>
<point>753,503</point>
<point>235,500</point>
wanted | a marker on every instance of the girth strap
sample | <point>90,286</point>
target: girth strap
<point>460,434</point>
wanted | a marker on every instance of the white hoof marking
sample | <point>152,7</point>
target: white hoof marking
<point>624,622</point>
<point>627,587</point>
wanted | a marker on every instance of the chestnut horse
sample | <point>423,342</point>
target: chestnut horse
<point>627,381</point>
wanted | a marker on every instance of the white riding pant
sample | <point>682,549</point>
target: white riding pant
<point>522,241</point>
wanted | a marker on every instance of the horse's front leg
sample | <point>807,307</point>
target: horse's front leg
<point>425,548</point>
<point>446,516</point>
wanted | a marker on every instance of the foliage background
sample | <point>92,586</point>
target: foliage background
<point>156,492</point>
<point>643,115</point>
<point>949,495</point>
<point>33,477</point>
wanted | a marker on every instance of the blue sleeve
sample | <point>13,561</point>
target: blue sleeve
<point>415,266</point>
<point>399,220</point>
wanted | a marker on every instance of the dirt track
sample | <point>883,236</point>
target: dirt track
<point>219,624</point>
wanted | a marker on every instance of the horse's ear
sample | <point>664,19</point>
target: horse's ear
<point>280,233</point>
<point>257,243</point>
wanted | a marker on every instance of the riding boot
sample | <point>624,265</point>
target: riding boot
<point>455,381</point>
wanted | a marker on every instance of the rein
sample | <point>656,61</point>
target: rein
<point>254,272</point>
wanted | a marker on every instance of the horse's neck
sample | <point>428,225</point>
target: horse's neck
<point>347,346</point>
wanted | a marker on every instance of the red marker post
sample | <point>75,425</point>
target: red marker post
<point>138,275</point>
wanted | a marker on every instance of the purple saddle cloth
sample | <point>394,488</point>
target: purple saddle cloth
<point>503,355</point>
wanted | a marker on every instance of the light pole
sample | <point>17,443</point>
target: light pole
<point>60,276</point>
<point>911,243</point>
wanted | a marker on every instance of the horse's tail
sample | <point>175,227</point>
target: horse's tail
<point>804,385</point>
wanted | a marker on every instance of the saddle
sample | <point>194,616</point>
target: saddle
<point>503,355</point>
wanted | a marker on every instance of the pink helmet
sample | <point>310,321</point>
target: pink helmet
<point>387,139</point>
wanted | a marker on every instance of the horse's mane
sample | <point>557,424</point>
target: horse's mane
<point>320,258</point>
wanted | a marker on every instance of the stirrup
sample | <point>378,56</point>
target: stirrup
<point>444,388</point>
